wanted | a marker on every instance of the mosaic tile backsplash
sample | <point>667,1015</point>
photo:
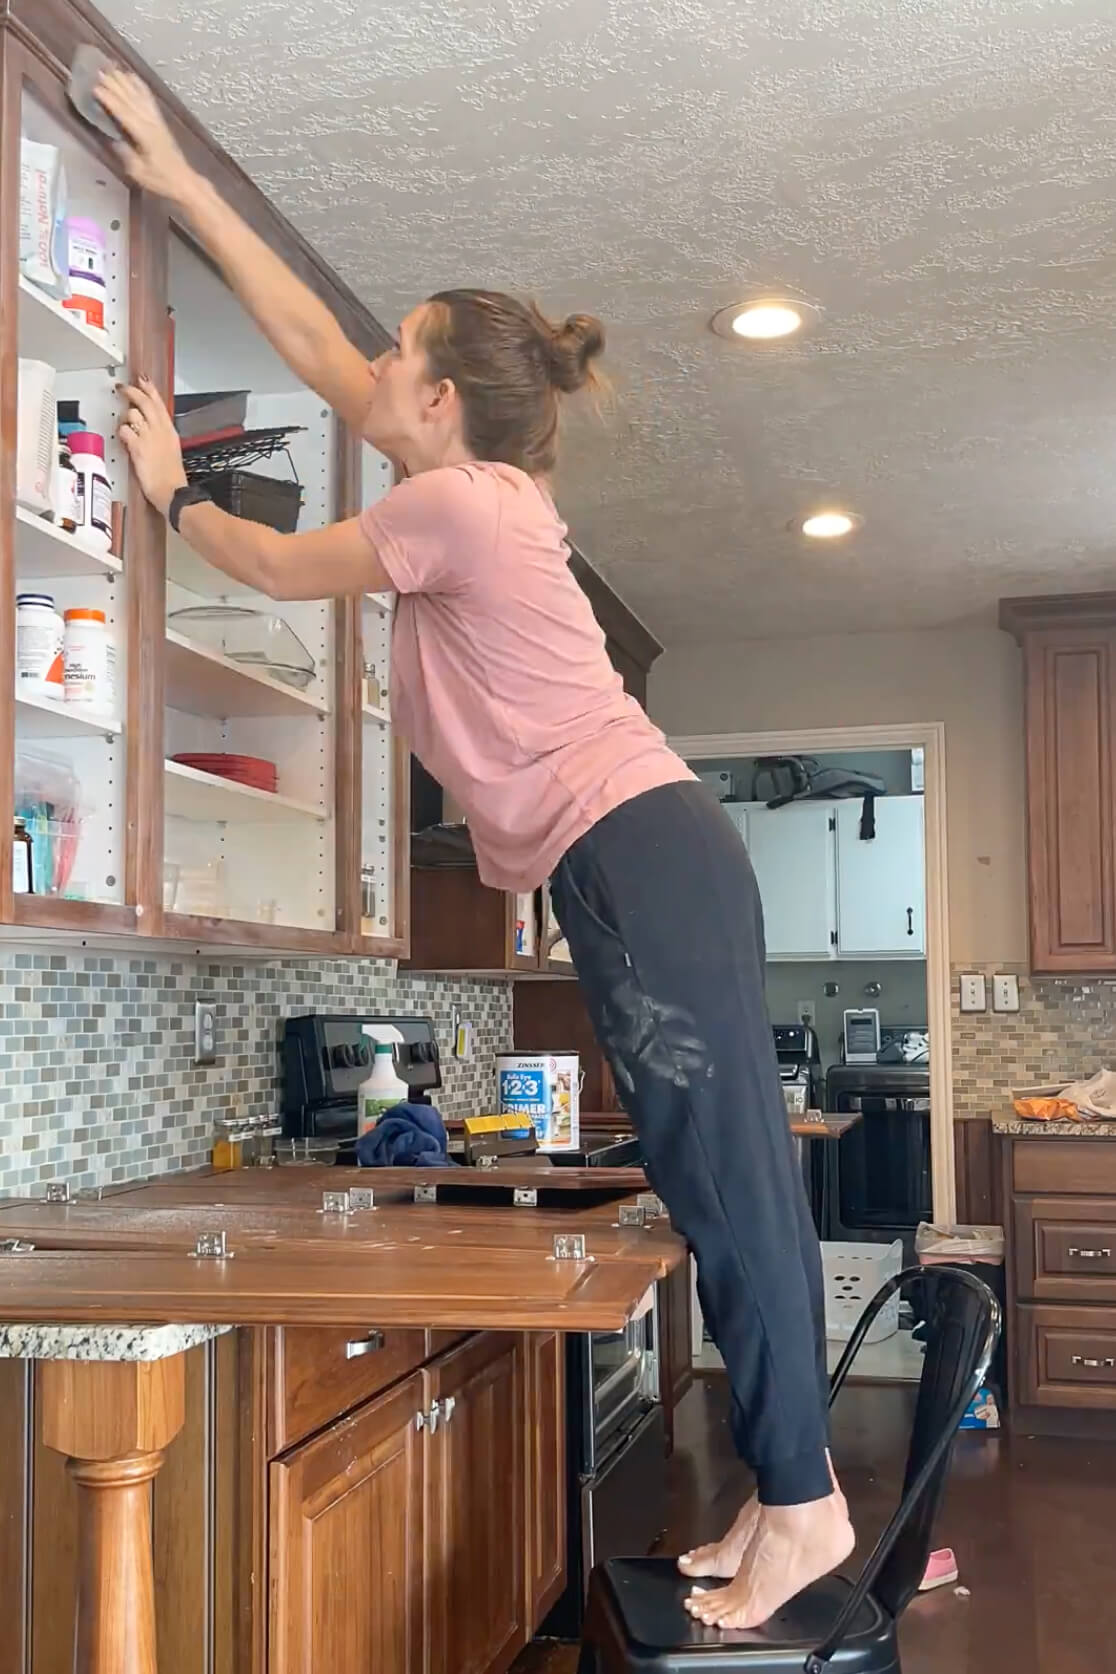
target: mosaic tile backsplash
<point>98,1082</point>
<point>1064,1029</point>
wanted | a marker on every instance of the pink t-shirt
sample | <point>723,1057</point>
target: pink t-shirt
<point>500,680</point>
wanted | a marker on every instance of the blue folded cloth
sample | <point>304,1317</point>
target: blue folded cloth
<point>407,1136</point>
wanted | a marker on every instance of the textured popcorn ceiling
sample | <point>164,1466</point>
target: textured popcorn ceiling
<point>937,175</point>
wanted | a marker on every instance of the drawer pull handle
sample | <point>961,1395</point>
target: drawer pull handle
<point>1108,1364</point>
<point>1090,1255</point>
<point>358,1346</point>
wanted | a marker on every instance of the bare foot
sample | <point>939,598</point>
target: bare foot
<point>721,1559</point>
<point>792,1546</point>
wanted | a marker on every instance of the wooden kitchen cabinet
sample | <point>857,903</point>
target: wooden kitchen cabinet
<point>676,1352</point>
<point>475,1514</point>
<point>346,1561</point>
<point>1069,694</point>
<point>128,841</point>
<point>1060,1198</point>
<point>545,1471</point>
<point>421,1532</point>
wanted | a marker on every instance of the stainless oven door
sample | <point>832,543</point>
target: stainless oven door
<point>623,1381</point>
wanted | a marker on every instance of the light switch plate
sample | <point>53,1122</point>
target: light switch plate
<point>974,992</point>
<point>205,1032</point>
<point>1005,992</point>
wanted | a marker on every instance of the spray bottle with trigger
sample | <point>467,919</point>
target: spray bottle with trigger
<point>383,1089</point>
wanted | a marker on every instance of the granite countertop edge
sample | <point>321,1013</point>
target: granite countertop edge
<point>103,1342</point>
<point>1019,1127</point>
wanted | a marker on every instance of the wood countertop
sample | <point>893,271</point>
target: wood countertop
<point>129,1257</point>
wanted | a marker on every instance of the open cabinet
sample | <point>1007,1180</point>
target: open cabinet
<point>234,779</point>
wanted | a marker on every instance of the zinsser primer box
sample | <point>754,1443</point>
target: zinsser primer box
<point>544,1088</point>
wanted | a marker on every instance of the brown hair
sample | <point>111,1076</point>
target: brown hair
<point>510,365</point>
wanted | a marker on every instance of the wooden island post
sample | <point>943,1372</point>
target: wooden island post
<point>112,1420</point>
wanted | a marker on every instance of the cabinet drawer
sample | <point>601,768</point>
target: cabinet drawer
<point>1067,1357</point>
<point>1065,1249</point>
<point>317,1375</point>
<point>1064,1165</point>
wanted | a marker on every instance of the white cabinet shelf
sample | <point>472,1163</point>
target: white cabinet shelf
<point>378,717</point>
<point>205,682</point>
<point>40,717</point>
<point>44,550</point>
<point>49,332</point>
<point>193,795</point>
<point>380,604</point>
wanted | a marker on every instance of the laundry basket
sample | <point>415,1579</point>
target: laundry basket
<point>853,1275</point>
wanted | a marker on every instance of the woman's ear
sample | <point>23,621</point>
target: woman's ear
<point>442,400</point>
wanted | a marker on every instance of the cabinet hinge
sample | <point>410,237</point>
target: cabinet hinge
<point>569,1246</point>
<point>213,1246</point>
<point>833,938</point>
<point>833,822</point>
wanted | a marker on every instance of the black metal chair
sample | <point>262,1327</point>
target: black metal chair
<point>635,1618</point>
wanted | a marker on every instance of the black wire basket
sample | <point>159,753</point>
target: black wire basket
<point>223,467</point>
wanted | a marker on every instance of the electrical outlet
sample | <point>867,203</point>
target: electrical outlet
<point>205,1032</point>
<point>807,1013</point>
<point>974,992</point>
<point>1005,993</point>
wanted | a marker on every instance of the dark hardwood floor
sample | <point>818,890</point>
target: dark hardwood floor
<point>1033,1523</point>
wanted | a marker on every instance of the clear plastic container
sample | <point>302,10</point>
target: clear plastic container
<point>248,636</point>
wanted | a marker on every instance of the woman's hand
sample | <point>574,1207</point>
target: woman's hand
<point>150,154</point>
<point>153,446</point>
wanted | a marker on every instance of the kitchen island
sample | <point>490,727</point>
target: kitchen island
<point>366,1473</point>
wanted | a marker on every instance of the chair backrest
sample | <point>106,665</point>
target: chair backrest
<point>963,1328</point>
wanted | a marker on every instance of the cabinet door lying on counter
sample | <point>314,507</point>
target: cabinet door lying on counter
<point>474,1508</point>
<point>346,1545</point>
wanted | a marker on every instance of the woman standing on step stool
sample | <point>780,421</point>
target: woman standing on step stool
<point>502,685</point>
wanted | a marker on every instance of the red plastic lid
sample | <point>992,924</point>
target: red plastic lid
<point>86,441</point>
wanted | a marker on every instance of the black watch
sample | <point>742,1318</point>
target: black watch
<point>193,494</point>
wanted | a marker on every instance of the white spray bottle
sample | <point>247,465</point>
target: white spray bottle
<point>383,1089</point>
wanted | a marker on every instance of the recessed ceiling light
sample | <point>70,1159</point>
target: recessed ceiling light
<point>765,320</point>
<point>768,319</point>
<point>828,525</point>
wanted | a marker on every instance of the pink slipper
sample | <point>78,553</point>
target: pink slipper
<point>941,1570</point>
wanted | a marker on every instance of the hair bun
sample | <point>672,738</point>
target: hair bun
<point>574,346</point>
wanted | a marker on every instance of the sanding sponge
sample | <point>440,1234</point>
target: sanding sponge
<point>89,64</point>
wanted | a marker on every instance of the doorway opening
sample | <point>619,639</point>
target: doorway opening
<point>846,830</point>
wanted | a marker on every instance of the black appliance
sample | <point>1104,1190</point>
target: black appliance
<point>616,1150</point>
<point>616,1458</point>
<point>883,1163</point>
<point>325,1057</point>
<point>800,1069</point>
<point>803,1083</point>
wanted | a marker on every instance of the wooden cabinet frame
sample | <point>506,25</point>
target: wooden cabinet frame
<point>37,40</point>
<point>1069,690</point>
